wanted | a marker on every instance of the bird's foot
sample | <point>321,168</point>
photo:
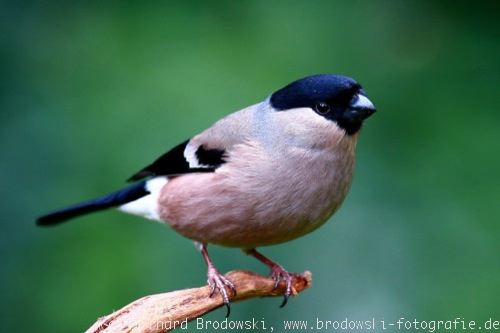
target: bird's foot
<point>218,282</point>
<point>278,274</point>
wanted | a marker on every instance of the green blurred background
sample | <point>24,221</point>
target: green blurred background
<point>91,92</point>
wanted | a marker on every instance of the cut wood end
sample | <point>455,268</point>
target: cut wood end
<point>163,312</point>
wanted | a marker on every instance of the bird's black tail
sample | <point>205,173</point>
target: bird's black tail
<point>120,197</point>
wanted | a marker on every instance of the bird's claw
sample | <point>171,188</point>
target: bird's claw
<point>278,274</point>
<point>218,282</point>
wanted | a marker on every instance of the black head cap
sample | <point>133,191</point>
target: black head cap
<point>335,97</point>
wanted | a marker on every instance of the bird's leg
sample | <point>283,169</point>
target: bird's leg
<point>216,280</point>
<point>278,273</point>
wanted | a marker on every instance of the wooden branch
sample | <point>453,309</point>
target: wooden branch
<point>163,312</point>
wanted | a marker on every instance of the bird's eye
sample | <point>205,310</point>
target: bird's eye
<point>322,108</point>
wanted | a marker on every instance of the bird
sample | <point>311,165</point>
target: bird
<point>267,174</point>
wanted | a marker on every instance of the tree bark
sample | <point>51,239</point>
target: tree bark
<point>163,312</point>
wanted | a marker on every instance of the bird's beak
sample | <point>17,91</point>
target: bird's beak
<point>360,108</point>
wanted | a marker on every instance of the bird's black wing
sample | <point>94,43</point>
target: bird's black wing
<point>175,162</point>
<point>206,151</point>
